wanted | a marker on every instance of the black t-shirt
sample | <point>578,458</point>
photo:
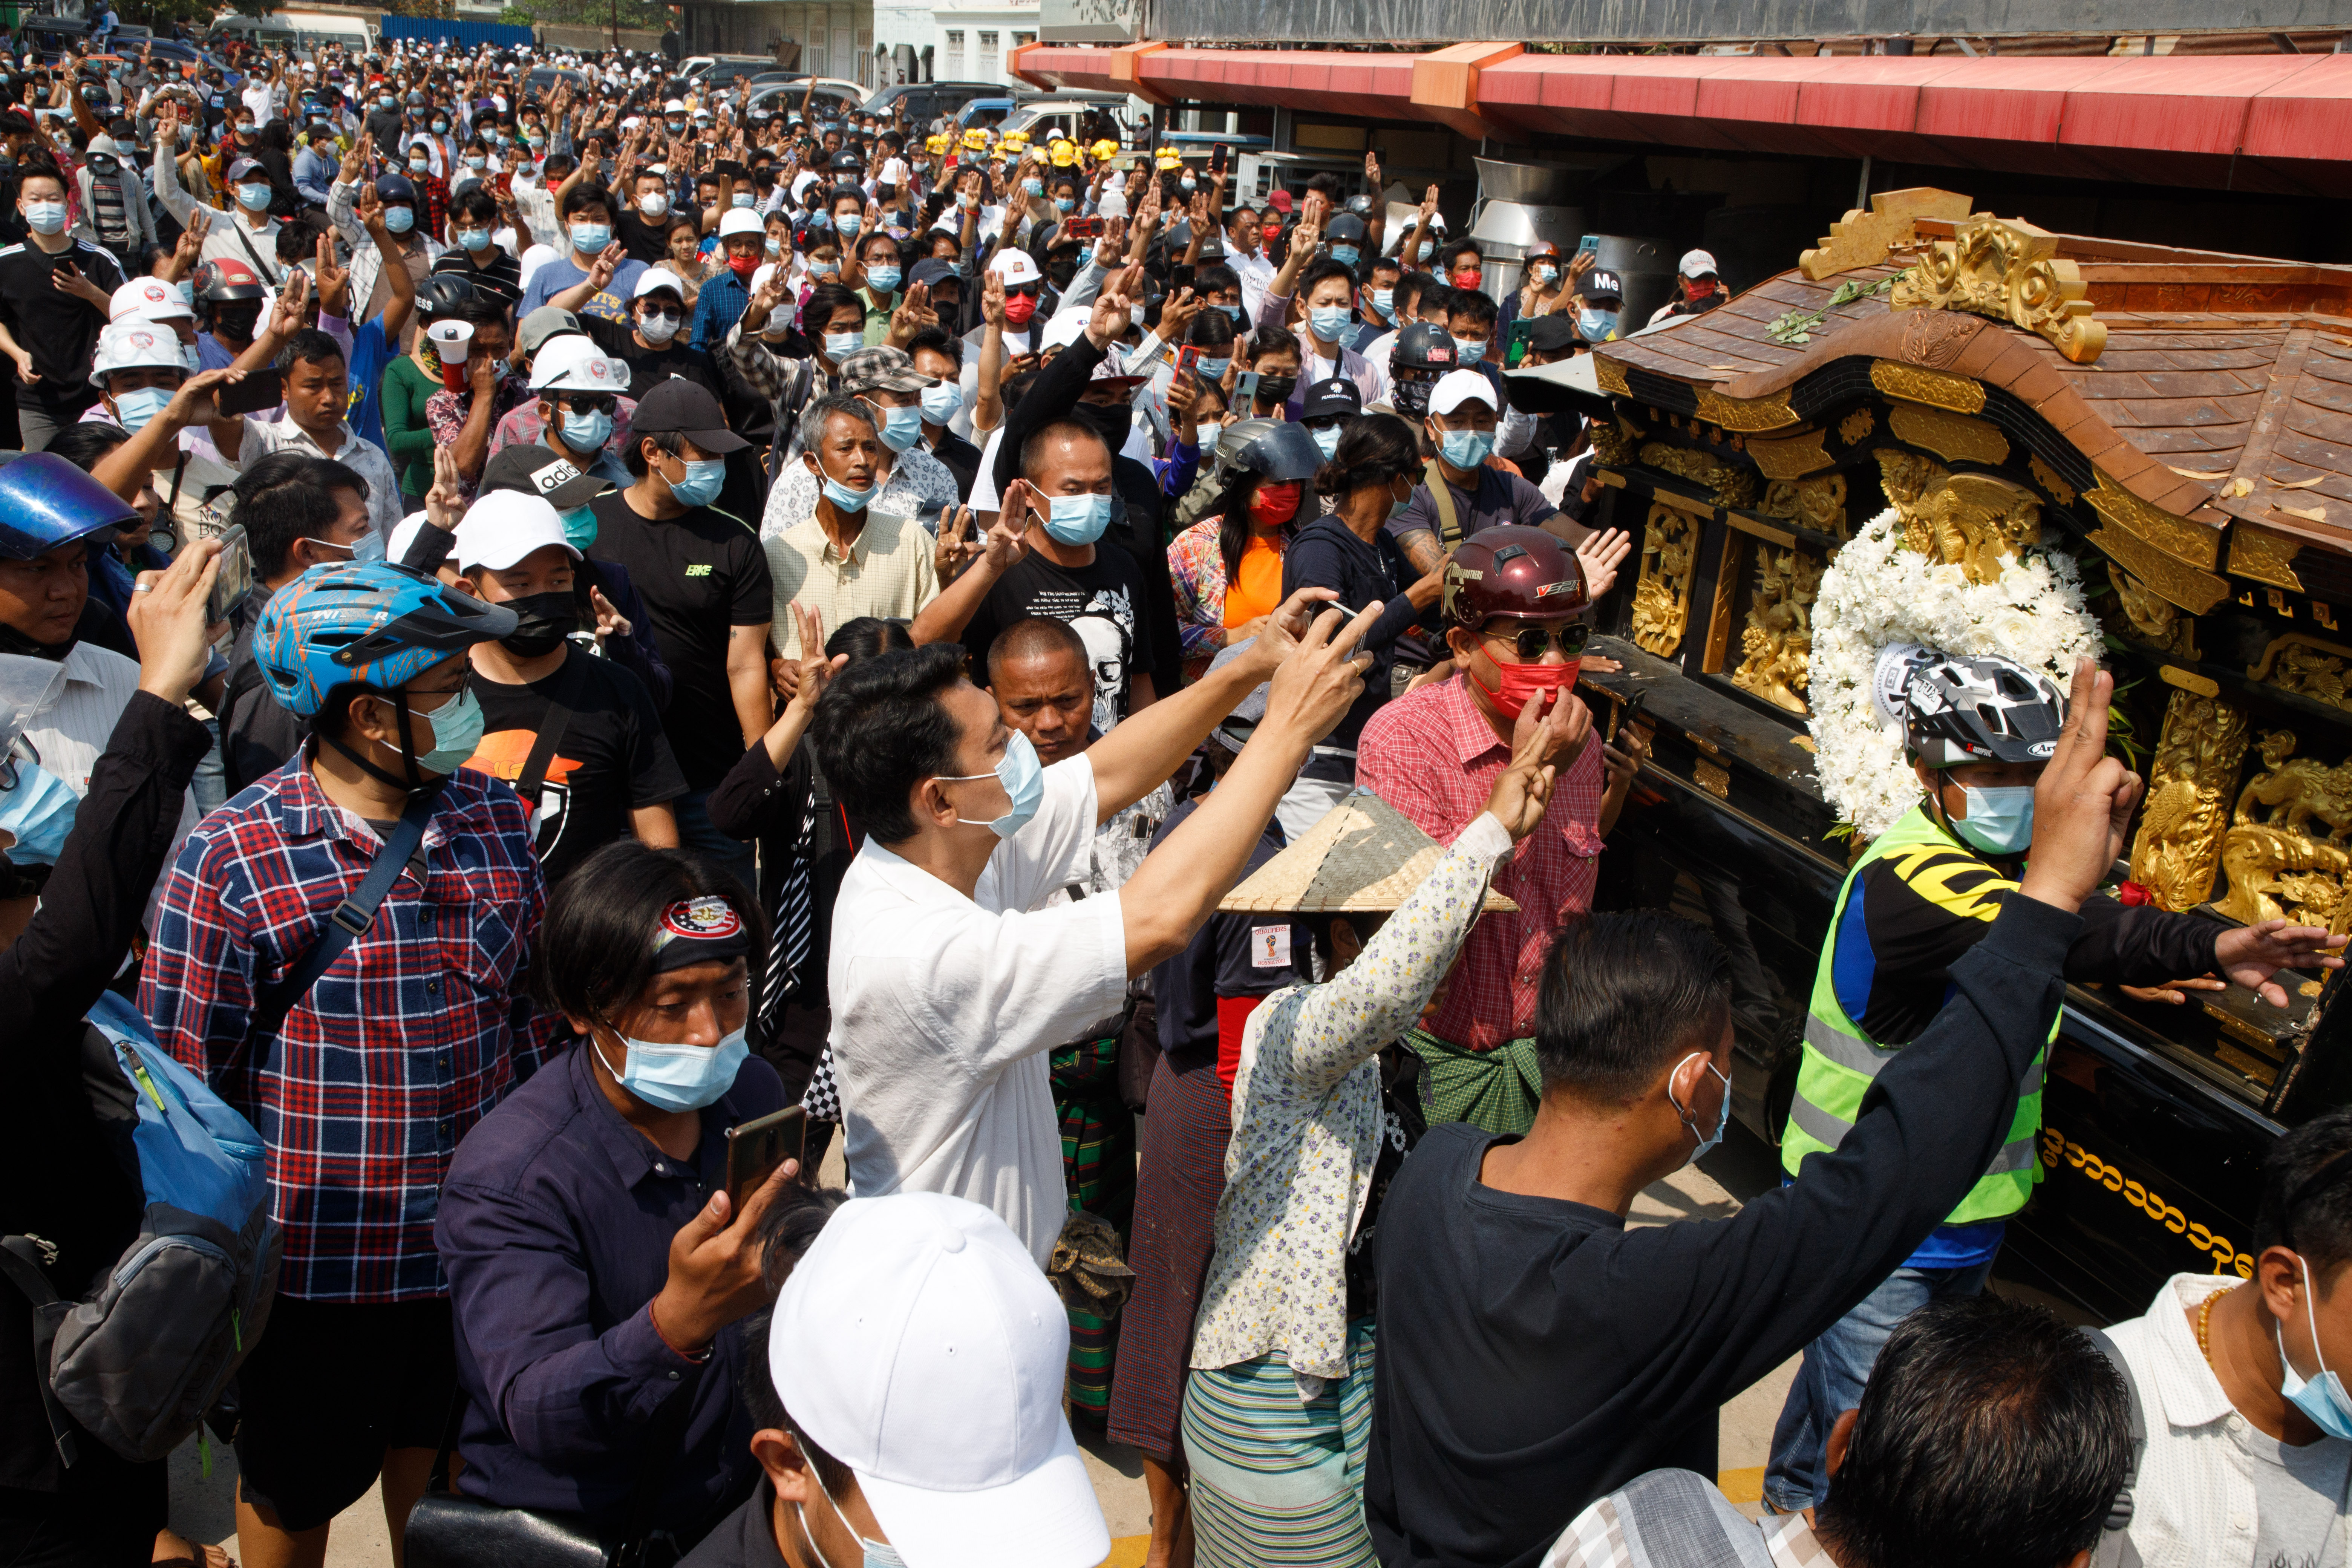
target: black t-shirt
<point>649,368</point>
<point>1328,554</point>
<point>963,461</point>
<point>645,242</point>
<point>1101,602</point>
<point>611,758</point>
<point>700,573</point>
<point>1244,954</point>
<point>57,328</point>
<point>501,277</point>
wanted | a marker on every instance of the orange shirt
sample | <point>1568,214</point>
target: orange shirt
<point>1257,588</point>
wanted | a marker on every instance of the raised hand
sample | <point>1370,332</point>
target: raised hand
<point>1320,674</point>
<point>608,261</point>
<point>285,318</point>
<point>2082,802</point>
<point>992,298</point>
<point>2251,954</point>
<point>167,622</point>
<point>1008,536</point>
<point>956,549</point>
<point>445,503</point>
<point>1176,314</point>
<point>809,675</point>
<point>1600,554</point>
<point>1517,800</point>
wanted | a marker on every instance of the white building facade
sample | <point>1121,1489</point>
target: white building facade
<point>952,40</point>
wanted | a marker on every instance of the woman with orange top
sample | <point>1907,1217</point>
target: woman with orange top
<point>1226,569</point>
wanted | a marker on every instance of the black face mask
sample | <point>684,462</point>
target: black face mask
<point>237,321</point>
<point>1061,269</point>
<point>542,622</point>
<point>1109,421</point>
<point>1276,388</point>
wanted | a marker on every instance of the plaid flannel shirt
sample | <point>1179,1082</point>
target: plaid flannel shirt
<point>414,1034</point>
<point>1431,754</point>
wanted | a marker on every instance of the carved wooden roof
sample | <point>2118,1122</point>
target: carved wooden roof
<point>2221,402</point>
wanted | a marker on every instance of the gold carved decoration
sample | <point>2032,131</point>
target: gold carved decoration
<point>1611,375</point>
<point>2178,847</point>
<point>1919,385</point>
<point>1951,437</point>
<point>1969,520</point>
<point>2154,618</point>
<point>2010,271</point>
<point>2047,477</point>
<point>1863,239</point>
<point>1613,444</point>
<point>2265,557</point>
<point>1732,485</point>
<point>1817,503</point>
<point>1662,597</point>
<point>1779,637</point>
<point>2306,666</point>
<point>1792,458</point>
<point>2194,591</point>
<point>1745,412</point>
<point>1855,428</point>
<point>1715,780</point>
<point>2275,868</point>
<point>2176,536</point>
<point>2190,681</point>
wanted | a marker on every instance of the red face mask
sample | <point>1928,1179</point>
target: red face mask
<point>1468,279</point>
<point>744,266</point>
<point>1273,504</point>
<point>1524,682</point>
<point>1018,308</point>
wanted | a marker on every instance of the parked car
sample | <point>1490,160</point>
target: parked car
<point>983,113</point>
<point>722,70</point>
<point>835,97</point>
<point>924,101</point>
<point>1067,115</point>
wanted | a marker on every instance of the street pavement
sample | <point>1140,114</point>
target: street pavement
<point>203,1509</point>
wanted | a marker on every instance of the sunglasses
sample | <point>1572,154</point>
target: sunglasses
<point>590,403</point>
<point>1027,290</point>
<point>1530,641</point>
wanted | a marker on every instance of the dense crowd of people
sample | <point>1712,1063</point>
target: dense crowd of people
<point>541,629</point>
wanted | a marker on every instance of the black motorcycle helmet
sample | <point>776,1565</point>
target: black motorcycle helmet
<point>1424,352</point>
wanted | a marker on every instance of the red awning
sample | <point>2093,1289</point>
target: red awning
<point>2267,122</point>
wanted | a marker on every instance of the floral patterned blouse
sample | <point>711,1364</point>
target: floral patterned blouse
<point>1197,571</point>
<point>1306,1122</point>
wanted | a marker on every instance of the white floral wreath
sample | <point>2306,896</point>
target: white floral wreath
<point>1880,591</point>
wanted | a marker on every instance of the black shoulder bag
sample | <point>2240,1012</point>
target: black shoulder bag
<point>449,1530</point>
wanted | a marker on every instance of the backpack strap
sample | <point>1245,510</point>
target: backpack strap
<point>2115,1547</point>
<point>349,918</point>
<point>1440,496</point>
<point>552,726</point>
<point>20,1260</point>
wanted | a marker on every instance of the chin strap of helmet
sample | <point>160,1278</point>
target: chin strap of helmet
<point>417,779</point>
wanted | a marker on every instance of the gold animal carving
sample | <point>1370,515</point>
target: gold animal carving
<point>1920,384</point>
<point>1779,637</point>
<point>2178,846</point>
<point>1951,437</point>
<point>1855,428</point>
<point>2010,271</point>
<point>1662,597</point>
<point>1613,444</point>
<point>1818,503</point>
<point>1861,238</point>
<point>1969,520</point>
<point>1732,485</point>
<point>2307,666</point>
<point>2047,477</point>
<point>2154,618</point>
<point>2275,875</point>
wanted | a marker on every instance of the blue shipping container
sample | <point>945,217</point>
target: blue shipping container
<point>471,35</point>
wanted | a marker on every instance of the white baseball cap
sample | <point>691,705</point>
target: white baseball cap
<point>502,527</point>
<point>919,1343</point>
<point>149,297</point>
<point>570,364</point>
<point>740,220</point>
<point>1065,328</point>
<point>1697,264</point>
<point>674,106</point>
<point>654,280</point>
<point>1456,387</point>
<point>1014,267</point>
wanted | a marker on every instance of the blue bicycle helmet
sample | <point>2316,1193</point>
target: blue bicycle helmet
<point>366,622</point>
<point>47,503</point>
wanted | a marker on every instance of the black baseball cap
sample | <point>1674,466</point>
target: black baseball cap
<point>1600,284</point>
<point>1335,395</point>
<point>542,470</point>
<point>932,269</point>
<point>1549,334</point>
<point>688,409</point>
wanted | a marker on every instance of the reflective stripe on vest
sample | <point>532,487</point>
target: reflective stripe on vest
<point>1840,1062</point>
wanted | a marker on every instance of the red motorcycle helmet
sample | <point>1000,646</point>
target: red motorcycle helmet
<point>226,279</point>
<point>1515,574</point>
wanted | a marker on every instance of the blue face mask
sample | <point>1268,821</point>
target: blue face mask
<point>370,547</point>
<point>400,220</point>
<point>1066,204</point>
<point>1466,449</point>
<point>1208,437</point>
<point>2000,821</point>
<point>1346,255</point>
<point>1326,441</point>
<point>746,199</point>
<point>1471,350</point>
<point>1328,321</point>
<point>884,279</point>
<point>588,238</point>
<point>1706,1141</point>
<point>839,346</point>
<point>1077,519</point>
<point>848,223</point>
<point>1215,369</point>
<point>133,409</point>
<point>1032,187</point>
<point>1233,311</point>
<point>40,812</point>
<point>1023,778</point>
<point>942,403</point>
<point>587,432</point>
<point>580,527</point>
<point>901,428</point>
<point>473,239</point>
<point>871,1553</point>
<point>848,498</point>
<point>679,1076</point>
<point>1596,326</point>
<point>1385,304</point>
<point>701,484</point>
<point>457,729</point>
<point>253,198</point>
<point>1426,247</point>
<point>2323,1397</point>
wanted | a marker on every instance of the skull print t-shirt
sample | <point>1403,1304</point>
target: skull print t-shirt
<point>1100,602</point>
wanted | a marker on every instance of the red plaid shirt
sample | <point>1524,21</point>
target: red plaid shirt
<point>1432,755</point>
<point>414,1034</point>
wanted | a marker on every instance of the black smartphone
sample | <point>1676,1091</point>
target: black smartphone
<point>260,389</point>
<point>1218,155</point>
<point>1515,347</point>
<point>756,1148</point>
<point>234,582</point>
<point>1629,710</point>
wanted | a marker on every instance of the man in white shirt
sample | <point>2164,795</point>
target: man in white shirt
<point>246,232</point>
<point>2249,1430</point>
<point>948,989</point>
<point>318,391</point>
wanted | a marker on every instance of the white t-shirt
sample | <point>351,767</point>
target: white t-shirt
<point>946,1008</point>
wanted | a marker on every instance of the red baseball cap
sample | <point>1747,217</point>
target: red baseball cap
<point>1279,201</point>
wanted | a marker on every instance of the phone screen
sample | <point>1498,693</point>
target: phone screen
<point>756,1148</point>
<point>234,580</point>
<point>1514,351</point>
<point>1217,156</point>
<point>1248,385</point>
<point>260,389</point>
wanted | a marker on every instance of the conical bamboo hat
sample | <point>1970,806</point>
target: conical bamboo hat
<point>1363,856</point>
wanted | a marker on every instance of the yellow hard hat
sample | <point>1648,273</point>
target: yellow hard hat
<point>1104,150</point>
<point>936,144</point>
<point>975,140</point>
<point>1064,153</point>
<point>1015,140</point>
<point>1170,159</point>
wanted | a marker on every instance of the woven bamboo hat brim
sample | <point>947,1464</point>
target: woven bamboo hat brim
<point>1363,856</point>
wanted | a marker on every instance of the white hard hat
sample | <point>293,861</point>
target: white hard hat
<point>740,220</point>
<point>573,363</point>
<point>150,298</point>
<point>135,344</point>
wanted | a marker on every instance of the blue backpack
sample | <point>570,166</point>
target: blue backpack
<point>140,1360</point>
